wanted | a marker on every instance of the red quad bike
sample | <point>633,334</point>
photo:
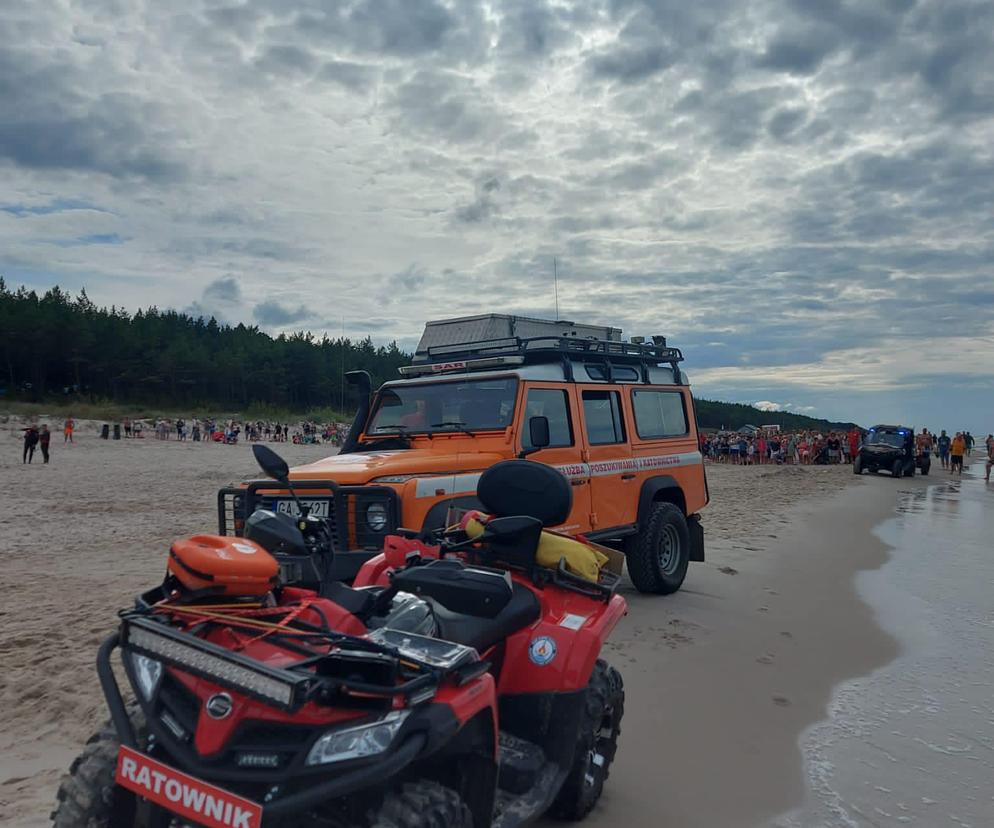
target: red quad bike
<point>459,684</point>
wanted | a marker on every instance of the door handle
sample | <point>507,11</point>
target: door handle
<point>627,476</point>
<point>577,482</point>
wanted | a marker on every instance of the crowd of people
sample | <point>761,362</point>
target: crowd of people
<point>212,430</point>
<point>803,448</point>
<point>800,448</point>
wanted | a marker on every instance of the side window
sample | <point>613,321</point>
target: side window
<point>602,414</point>
<point>550,403</point>
<point>659,414</point>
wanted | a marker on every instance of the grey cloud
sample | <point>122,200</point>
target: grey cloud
<point>798,52</point>
<point>356,76</point>
<point>453,32</point>
<point>531,29</point>
<point>286,59</point>
<point>273,314</point>
<point>484,205</point>
<point>225,289</point>
<point>444,105</point>
<point>52,120</point>
<point>408,280</point>
<point>786,121</point>
<point>631,65</point>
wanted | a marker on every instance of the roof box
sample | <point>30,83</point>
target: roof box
<point>443,333</point>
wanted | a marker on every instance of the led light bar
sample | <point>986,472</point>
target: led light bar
<point>273,685</point>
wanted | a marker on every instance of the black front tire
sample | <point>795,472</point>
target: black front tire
<point>422,804</point>
<point>897,470</point>
<point>88,796</point>
<point>926,468</point>
<point>909,469</point>
<point>596,747</point>
<point>658,556</point>
<point>857,465</point>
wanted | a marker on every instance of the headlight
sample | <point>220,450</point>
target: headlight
<point>356,742</point>
<point>376,517</point>
<point>148,674</point>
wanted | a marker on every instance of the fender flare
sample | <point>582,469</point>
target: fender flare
<point>435,519</point>
<point>652,487</point>
<point>649,495</point>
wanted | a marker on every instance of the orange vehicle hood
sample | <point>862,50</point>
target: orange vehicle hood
<point>360,468</point>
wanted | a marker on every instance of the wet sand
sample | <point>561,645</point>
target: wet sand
<point>913,742</point>
<point>722,678</point>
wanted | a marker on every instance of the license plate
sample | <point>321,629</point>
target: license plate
<point>183,794</point>
<point>318,508</point>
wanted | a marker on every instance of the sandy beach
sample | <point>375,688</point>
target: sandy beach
<point>722,678</point>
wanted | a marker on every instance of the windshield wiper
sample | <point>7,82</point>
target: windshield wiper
<point>456,425</point>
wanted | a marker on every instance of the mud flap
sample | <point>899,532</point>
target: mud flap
<point>696,538</point>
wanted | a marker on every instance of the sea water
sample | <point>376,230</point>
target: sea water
<point>913,743</point>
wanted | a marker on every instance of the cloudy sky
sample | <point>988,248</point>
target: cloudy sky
<point>799,194</point>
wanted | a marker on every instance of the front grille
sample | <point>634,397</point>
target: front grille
<point>346,509</point>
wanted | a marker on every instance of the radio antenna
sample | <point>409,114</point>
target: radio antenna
<point>555,282</point>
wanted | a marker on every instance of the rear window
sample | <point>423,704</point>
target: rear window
<point>602,414</point>
<point>659,414</point>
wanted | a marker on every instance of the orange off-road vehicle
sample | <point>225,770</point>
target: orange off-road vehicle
<point>615,417</point>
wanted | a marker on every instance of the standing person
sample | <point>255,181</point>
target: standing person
<point>30,441</point>
<point>968,439</point>
<point>990,458</point>
<point>127,427</point>
<point>67,430</point>
<point>943,444</point>
<point>44,439</point>
<point>956,451</point>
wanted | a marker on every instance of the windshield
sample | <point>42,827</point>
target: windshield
<point>886,438</point>
<point>475,405</point>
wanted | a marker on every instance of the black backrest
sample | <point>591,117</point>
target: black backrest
<point>524,487</point>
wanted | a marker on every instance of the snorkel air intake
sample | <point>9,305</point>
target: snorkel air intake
<point>364,387</point>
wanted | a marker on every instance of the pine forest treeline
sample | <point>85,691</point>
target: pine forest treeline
<point>56,344</point>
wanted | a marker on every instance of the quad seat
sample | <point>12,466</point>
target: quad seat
<point>482,633</point>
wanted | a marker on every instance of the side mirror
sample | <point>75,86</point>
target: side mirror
<point>538,430</point>
<point>538,434</point>
<point>271,463</point>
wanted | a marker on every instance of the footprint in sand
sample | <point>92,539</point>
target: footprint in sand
<point>786,634</point>
<point>766,659</point>
<point>781,701</point>
<point>728,570</point>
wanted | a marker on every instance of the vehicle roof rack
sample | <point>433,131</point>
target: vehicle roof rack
<point>516,350</point>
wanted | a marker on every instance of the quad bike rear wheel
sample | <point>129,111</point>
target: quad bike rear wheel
<point>88,797</point>
<point>857,465</point>
<point>658,556</point>
<point>596,747</point>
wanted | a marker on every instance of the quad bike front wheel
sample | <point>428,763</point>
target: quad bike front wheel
<point>421,804</point>
<point>658,556</point>
<point>596,746</point>
<point>88,797</point>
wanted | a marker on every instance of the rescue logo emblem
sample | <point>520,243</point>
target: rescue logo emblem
<point>542,650</point>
